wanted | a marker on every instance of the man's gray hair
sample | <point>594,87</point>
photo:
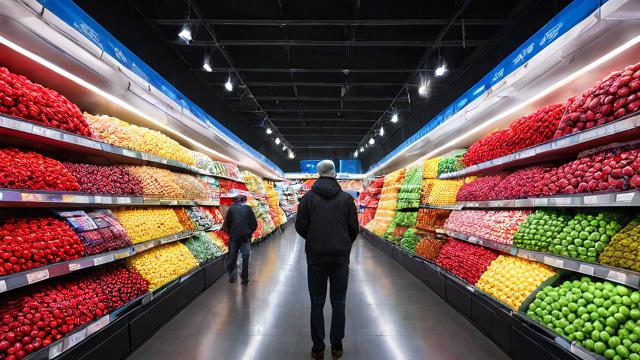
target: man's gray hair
<point>327,168</point>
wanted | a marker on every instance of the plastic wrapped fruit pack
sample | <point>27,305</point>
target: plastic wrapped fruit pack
<point>160,265</point>
<point>511,279</point>
<point>465,260</point>
<point>191,186</point>
<point>113,180</point>
<point>254,183</point>
<point>525,132</point>
<point>201,247</point>
<point>430,168</point>
<point>598,315</point>
<point>202,161</point>
<point>410,240</point>
<point>432,219</point>
<point>184,218</point>
<point>371,195</point>
<point>22,98</point>
<point>452,162</point>
<point>219,239</point>
<point>143,224</point>
<point>409,191</point>
<point>499,226</point>
<point>609,99</point>
<point>623,249</point>
<point>444,192</point>
<point>366,216</point>
<point>382,220</point>
<point>98,230</point>
<point>156,182</point>
<point>32,171</point>
<point>34,239</point>
<point>120,133</point>
<point>40,315</point>
<point>201,217</point>
<point>429,248</point>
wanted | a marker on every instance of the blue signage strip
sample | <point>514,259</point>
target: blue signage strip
<point>75,17</point>
<point>569,17</point>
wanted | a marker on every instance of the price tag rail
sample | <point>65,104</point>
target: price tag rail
<point>630,198</point>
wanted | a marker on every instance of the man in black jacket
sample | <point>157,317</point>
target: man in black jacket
<point>240,223</point>
<point>327,219</point>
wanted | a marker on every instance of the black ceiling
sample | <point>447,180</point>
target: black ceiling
<point>325,73</point>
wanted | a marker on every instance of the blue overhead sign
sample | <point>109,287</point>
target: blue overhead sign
<point>569,17</point>
<point>72,15</point>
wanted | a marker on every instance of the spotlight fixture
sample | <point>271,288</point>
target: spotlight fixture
<point>423,90</point>
<point>269,131</point>
<point>394,117</point>
<point>361,149</point>
<point>381,130</point>
<point>277,141</point>
<point>441,69</point>
<point>291,154</point>
<point>372,141</point>
<point>206,64</point>
<point>355,154</point>
<point>228,85</point>
<point>185,33</point>
<point>284,147</point>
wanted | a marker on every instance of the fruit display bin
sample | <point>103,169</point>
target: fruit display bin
<point>618,275</point>
<point>625,129</point>
<point>518,335</point>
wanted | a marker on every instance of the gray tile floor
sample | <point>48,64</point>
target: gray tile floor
<point>390,314</point>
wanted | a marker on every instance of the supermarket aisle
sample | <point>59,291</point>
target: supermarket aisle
<point>390,314</point>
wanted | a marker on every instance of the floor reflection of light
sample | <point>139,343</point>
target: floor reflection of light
<point>274,300</point>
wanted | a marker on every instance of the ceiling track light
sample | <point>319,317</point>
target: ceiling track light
<point>185,33</point>
<point>424,88</point>
<point>229,85</point>
<point>355,154</point>
<point>269,131</point>
<point>291,154</point>
<point>206,63</point>
<point>394,117</point>
<point>381,130</point>
<point>361,149</point>
<point>372,141</point>
<point>277,141</point>
<point>441,69</point>
<point>284,148</point>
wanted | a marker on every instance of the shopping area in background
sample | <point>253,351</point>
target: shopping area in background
<point>553,242</point>
<point>155,224</point>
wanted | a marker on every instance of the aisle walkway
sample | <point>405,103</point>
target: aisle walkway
<point>390,314</point>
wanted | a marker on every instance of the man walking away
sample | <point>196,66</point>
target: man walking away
<point>240,223</point>
<point>328,221</point>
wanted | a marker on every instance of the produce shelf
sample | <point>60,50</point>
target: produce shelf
<point>616,199</point>
<point>457,206</point>
<point>619,131</point>
<point>561,347</point>
<point>18,132</point>
<point>621,276</point>
<point>38,198</point>
<point>25,278</point>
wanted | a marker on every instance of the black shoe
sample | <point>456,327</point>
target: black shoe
<point>244,281</point>
<point>233,276</point>
<point>336,351</point>
<point>317,354</point>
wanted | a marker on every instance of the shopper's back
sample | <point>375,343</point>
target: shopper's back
<point>328,221</point>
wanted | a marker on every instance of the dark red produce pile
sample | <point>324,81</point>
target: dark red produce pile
<point>467,261</point>
<point>32,171</point>
<point>32,240</point>
<point>525,132</point>
<point>42,315</point>
<point>21,98</point>
<point>114,180</point>
<point>609,99</point>
<point>480,189</point>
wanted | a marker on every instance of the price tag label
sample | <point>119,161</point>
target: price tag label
<point>527,153</point>
<point>628,197</point>
<point>617,276</point>
<point>564,142</point>
<point>73,339</point>
<point>470,288</point>
<point>124,200</point>
<point>122,254</point>
<point>103,260</point>
<point>98,324</point>
<point>563,201</point>
<point>36,276</point>
<point>590,200</point>
<point>1,195</point>
<point>3,286</point>
<point>129,153</point>
<point>580,352</point>
<point>74,266</point>
<point>37,130</point>
<point>541,202</point>
<point>553,261</point>
<point>586,269</point>
<point>55,350</point>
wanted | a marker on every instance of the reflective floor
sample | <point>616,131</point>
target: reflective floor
<point>390,314</point>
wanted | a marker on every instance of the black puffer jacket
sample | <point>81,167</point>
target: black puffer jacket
<point>328,220</point>
<point>240,221</point>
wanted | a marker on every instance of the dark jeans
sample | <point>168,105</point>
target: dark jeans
<point>242,245</point>
<point>317,276</point>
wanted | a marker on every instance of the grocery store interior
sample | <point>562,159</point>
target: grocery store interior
<point>449,179</point>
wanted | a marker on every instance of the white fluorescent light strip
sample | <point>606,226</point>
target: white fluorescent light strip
<point>106,95</point>
<point>539,95</point>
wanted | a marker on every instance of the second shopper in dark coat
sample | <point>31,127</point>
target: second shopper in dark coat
<point>240,222</point>
<point>327,219</point>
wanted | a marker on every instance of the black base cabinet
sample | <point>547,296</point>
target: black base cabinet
<point>492,318</point>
